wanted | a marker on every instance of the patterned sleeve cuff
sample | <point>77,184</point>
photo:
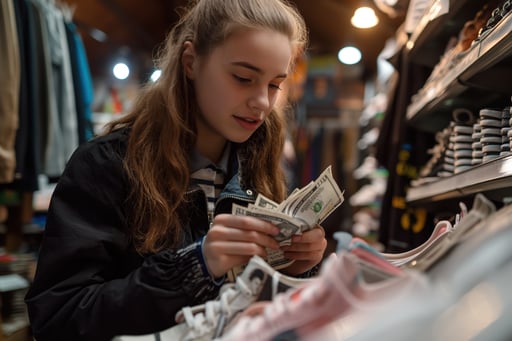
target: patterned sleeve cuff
<point>184,270</point>
<point>217,281</point>
<point>311,272</point>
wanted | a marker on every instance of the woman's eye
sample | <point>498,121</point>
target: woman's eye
<point>274,86</point>
<point>242,79</point>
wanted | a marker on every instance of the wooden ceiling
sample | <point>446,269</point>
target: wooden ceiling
<point>133,29</point>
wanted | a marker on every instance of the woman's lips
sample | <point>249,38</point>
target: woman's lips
<point>248,123</point>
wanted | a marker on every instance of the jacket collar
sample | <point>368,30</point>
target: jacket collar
<point>198,161</point>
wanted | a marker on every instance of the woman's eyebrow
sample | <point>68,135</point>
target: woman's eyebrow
<point>255,68</point>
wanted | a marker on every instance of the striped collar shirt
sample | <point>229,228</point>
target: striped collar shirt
<point>210,177</point>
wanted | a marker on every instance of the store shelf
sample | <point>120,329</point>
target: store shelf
<point>493,178</point>
<point>491,69</point>
<point>13,282</point>
<point>27,229</point>
<point>446,88</point>
<point>482,72</point>
<point>431,36</point>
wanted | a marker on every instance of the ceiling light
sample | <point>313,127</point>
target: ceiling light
<point>98,35</point>
<point>349,55</point>
<point>155,75</point>
<point>364,17</point>
<point>121,71</point>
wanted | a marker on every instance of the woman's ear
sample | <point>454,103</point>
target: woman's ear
<point>188,58</point>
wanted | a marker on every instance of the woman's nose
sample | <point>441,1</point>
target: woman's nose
<point>260,100</point>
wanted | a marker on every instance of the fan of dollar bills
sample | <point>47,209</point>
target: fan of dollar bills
<point>302,210</point>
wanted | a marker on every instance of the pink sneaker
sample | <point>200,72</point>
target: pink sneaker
<point>423,261</point>
<point>442,227</point>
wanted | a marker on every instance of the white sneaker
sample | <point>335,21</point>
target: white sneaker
<point>258,282</point>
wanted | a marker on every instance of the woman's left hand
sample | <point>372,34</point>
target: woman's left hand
<point>307,250</point>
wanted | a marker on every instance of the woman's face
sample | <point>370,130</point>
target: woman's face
<point>237,84</point>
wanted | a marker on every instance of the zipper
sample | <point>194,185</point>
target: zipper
<point>232,197</point>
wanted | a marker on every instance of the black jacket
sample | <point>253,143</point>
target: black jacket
<point>90,284</point>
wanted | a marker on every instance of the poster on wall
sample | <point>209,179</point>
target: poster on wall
<point>320,93</point>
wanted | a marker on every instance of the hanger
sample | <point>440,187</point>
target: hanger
<point>67,10</point>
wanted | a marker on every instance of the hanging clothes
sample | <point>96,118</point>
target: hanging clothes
<point>46,92</point>
<point>27,160</point>
<point>82,81</point>
<point>9,90</point>
<point>60,136</point>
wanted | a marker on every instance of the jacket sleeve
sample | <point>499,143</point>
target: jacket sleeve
<point>90,284</point>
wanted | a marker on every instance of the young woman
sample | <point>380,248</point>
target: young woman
<point>139,225</point>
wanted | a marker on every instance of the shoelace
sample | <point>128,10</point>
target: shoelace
<point>216,313</point>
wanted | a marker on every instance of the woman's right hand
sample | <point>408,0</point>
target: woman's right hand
<point>233,240</point>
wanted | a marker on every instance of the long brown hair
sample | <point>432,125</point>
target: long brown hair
<point>162,120</point>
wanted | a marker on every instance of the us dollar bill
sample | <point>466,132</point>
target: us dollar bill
<point>302,210</point>
<point>316,201</point>
<point>264,202</point>
<point>288,226</point>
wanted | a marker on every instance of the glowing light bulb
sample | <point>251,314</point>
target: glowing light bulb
<point>121,71</point>
<point>155,75</point>
<point>349,55</point>
<point>364,17</point>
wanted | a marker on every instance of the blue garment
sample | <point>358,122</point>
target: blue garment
<point>82,80</point>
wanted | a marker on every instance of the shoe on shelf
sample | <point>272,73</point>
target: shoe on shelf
<point>427,258</point>
<point>398,259</point>
<point>368,166</point>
